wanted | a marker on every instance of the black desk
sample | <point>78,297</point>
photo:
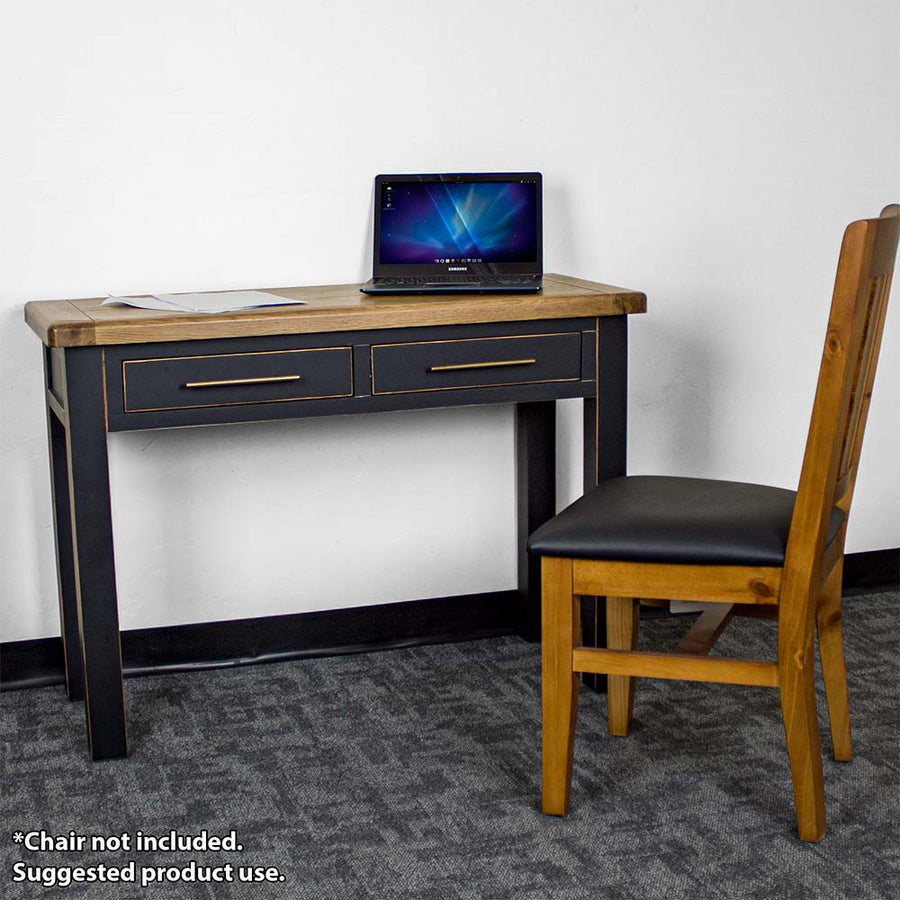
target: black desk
<point>122,369</point>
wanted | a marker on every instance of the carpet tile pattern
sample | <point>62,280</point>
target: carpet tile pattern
<point>415,774</point>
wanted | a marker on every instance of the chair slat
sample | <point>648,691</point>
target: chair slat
<point>859,395</point>
<point>703,636</point>
<point>683,667</point>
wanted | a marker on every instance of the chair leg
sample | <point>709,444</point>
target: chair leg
<point>798,707</point>
<point>560,624</point>
<point>622,615</point>
<point>834,671</point>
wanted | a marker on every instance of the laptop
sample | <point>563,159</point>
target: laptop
<point>453,234</point>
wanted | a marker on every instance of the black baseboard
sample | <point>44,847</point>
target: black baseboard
<point>241,642</point>
<point>872,569</point>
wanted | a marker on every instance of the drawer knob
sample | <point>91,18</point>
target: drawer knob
<point>498,364</point>
<point>270,379</point>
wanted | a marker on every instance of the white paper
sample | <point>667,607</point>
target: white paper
<point>143,302</point>
<point>206,302</point>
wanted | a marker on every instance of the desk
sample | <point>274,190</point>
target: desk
<point>123,369</point>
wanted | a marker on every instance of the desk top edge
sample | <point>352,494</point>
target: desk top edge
<point>85,323</point>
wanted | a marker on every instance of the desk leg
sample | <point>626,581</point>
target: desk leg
<point>536,501</point>
<point>95,576</point>
<point>65,556</point>
<point>604,452</point>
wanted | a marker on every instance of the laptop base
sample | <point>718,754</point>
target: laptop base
<point>393,286</point>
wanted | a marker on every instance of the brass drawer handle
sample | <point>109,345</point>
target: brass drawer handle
<point>458,367</point>
<point>270,379</point>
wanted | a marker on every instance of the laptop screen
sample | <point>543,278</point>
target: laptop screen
<point>445,223</point>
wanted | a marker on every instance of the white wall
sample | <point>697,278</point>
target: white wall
<point>707,153</point>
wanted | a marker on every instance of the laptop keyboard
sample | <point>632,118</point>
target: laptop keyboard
<point>489,280</point>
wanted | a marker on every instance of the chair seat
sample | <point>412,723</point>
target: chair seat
<point>662,519</point>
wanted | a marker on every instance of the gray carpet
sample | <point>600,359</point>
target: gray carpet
<point>415,774</point>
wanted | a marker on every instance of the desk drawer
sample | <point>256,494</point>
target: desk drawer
<point>231,379</point>
<point>480,362</point>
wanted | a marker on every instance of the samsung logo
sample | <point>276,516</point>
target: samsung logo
<point>457,268</point>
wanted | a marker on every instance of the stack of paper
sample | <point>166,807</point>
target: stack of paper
<point>207,302</point>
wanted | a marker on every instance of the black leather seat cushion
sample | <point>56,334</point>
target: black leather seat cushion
<point>648,518</point>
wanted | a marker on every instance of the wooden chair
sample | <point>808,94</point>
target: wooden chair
<point>754,550</point>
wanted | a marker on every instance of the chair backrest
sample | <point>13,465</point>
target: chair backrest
<point>844,389</point>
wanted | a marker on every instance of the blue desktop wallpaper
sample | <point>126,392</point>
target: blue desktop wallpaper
<point>429,222</point>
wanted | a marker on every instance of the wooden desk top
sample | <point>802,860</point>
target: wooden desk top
<point>341,307</point>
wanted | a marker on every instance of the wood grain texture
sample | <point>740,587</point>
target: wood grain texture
<point>622,617</point>
<point>711,584</point>
<point>801,728</point>
<point>561,627</point>
<point>827,478</point>
<point>683,667</point>
<point>329,308</point>
<point>59,323</point>
<point>833,555</point>
<point>706,630</point>
<point>834,671</point>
